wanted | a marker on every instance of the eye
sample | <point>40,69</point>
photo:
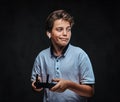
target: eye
<point>68,29</point>
<point>59,29</point>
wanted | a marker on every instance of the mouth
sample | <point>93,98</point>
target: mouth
<point>64,39</point>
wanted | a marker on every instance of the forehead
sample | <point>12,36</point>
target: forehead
<point>61,23</point>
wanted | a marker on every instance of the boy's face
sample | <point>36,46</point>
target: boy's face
<point>61,33</point>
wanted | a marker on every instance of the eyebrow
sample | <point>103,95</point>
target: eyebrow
<point>63,27</point>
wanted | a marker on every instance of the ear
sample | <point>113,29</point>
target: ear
<point>49,34</point>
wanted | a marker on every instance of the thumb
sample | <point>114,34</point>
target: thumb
<point>39,78</point>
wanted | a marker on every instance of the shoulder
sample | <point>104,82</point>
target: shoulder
<point>78,52</point>
<point>77,49</point>
<point>43,53</point>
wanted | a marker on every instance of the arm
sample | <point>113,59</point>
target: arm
<point>82,90</point>
<point>34,75</point>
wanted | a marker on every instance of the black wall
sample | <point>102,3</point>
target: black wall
<point>23,37</point>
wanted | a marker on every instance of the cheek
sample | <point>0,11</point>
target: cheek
<point>55,37</point>
<point>69,35</point>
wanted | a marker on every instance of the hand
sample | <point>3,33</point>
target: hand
<point>34,87</point>
<point>61,85</point>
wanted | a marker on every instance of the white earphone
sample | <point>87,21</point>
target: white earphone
<point>49,35</point>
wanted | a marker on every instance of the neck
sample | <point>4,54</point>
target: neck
<point>58,50</point>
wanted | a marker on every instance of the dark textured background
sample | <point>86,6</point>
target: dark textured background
<point>22,36</point>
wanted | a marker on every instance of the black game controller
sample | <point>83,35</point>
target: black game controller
<point>39,84</point>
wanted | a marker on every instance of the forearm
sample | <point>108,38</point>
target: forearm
<point>82,90</point>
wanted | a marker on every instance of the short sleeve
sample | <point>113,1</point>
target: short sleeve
<point>86,70</point>
<point>36,69</point>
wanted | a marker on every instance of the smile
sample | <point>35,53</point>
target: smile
<point>64,39</point>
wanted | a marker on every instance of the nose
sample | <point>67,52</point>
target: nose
<point>64,32</point>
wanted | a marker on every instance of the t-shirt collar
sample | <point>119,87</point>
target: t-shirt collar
<point>63,53</point>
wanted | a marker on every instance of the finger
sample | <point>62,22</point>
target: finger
<point>38,90</point>
<point>39,78</point>
<point>33,84</point>
<point>56,87</point>
<point>56,80</point>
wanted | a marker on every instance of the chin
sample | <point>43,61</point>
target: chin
<point>64,44</point>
